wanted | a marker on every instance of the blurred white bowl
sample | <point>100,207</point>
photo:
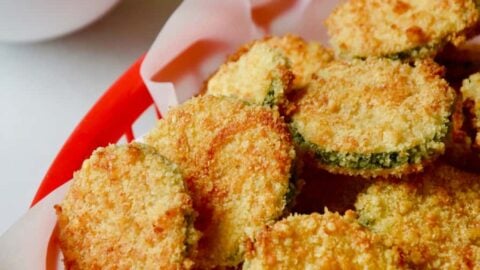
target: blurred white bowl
<point>37,20</point>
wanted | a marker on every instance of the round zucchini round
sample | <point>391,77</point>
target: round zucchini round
<point>374,118</point>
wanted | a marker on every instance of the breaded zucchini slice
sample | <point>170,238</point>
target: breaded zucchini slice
<point>315,241</point>
<point>471,102</point>
<point>127,208</point>
<point>259,74</point>
<point>399,29</point>
<point>431,219</point>
<point>374,118</point>
<point>237,159</point>
<point>306,58</point>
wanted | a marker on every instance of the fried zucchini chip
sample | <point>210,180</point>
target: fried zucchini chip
<point>431,219</point>
<point>127,208</point>
<point>399,29</point>
<point>260,75</point>
<point>376,117</point>
<point>237,159</point>
<point>315,241</point>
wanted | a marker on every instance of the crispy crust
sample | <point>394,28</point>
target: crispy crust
<point>260,74</point>
<point>306,58</point>
<point>361,28</point>
<point>237,160</point>
<point>264,71</point>
<point>327,241</point>
<point>127,208</point>
<point>363,109</point>
<point>431,219</point>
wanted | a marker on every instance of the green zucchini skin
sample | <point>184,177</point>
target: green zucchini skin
<point>419,52</point>
<point>427,50</point>
<point>272,98</point>
<point>295,185</point>
<point>191,238</point>
<point>382,160</point>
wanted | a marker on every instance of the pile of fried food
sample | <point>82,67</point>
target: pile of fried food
<point>296,156</point>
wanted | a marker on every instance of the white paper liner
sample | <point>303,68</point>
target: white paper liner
<point>200,34</point>
<point>25,244</point>
<point>194,41</point>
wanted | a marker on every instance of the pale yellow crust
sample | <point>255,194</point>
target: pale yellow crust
<point>362,28</point>
<point>306,58</point>
<point>431,219</point>
<point>315,241</point>
<point>259,75</point>
<point>375,106</point>
<point>264,71</point>
<point>127,208</point>
<point>471,101</point>
<point>237,160</point>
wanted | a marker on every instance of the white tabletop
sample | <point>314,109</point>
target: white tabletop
<point>46,88</point>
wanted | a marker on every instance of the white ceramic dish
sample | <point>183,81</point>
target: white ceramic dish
<point>37,20</point>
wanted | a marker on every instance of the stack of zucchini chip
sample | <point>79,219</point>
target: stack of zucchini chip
<point>363,127</point>
<point>265,71</point>
<point>237,160</point>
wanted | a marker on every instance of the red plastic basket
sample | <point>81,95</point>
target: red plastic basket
<point>109,119</point>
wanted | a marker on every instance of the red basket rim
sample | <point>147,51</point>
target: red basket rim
<point>107,121</point>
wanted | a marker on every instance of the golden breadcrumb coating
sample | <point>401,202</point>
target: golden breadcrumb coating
<point>237,160</point>
<point>374,118</point>
<point>315,241</point>
<point>471,99</point>
<point>261,75</point>
<point>306,58</point>
<point>127,208</point>
<point>431,219</point>
<point>399,28</point>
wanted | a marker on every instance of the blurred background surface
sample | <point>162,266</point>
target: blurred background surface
<point>47,87</point>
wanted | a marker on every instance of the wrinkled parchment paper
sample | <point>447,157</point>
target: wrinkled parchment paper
<point>194,41</point>
<point>200,34</point>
